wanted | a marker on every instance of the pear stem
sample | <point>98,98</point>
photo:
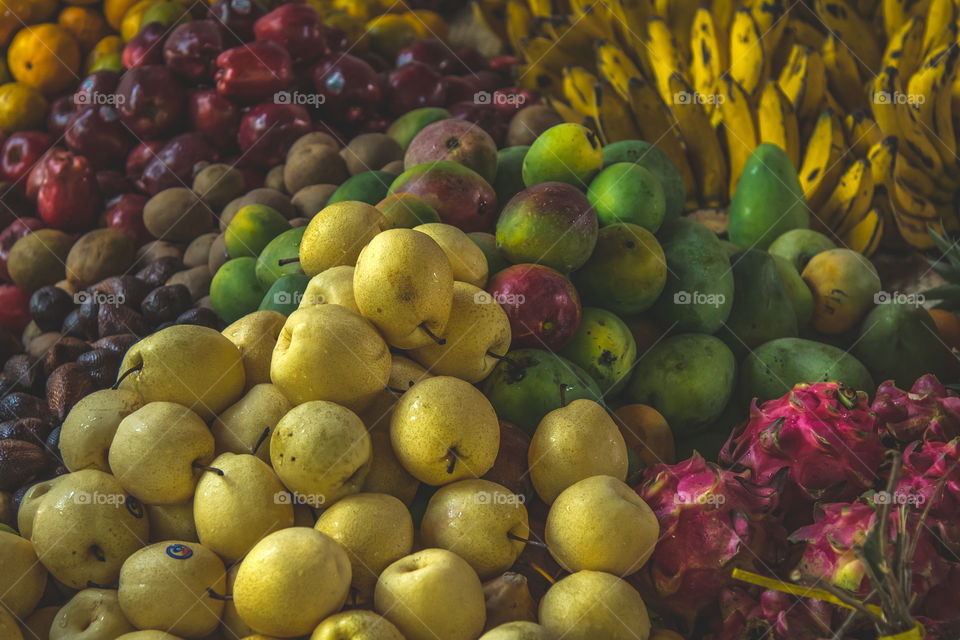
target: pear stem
<point>285,261</point>
<point>198,465</point>
<point>94,585</point>
<point>256,447</point>
<point>535,543</point>
<point>440,341</point>
<point>452,454</point>
<point>563,394</point>
<point>216,596</point>
<point>395,390</point>
<point>139,367</point>
<point>496,356</point>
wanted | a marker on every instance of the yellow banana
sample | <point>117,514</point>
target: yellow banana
<point>616,67</point>
<point>850,199</point>
<point>746,52</point>
<point>777,121</point>
<point>941,29</point>
<point>568,113</point>
<point>739,128</point>
<point>919,180</point>
<point>631,21</point>
<point>665,55</point>
<point>821,167</point>
<point>896,13</point>
<point>904,50</point>
<point>882,157</point>
<point>679,17</point>
<point>707,59</point>
<point>572,35</point>
<point>865,236</point>
<point>803,81</point>
<point>703,148</point>
<point>770,16</point>
<point>492,15</point>
<point>596,17</point>
<point>543,52</point>
<point>541,8</point>
<point>519,23</point>
<point>862,132</point>
<point>805,33</point>
<point>842,75</point>
<point>722,11</point>
<point>614,120</point>
<point>897,118</point>
<point>840,18</point>
<point>578,86</point>
<point>913,213</point>
<point>935,112</point>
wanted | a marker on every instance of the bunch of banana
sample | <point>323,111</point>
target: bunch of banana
<point>861,94</point>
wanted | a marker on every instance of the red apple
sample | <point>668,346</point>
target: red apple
<point>295,27</point>
<point>413,86</point>
<point>61,112</point>
<point>112,184</point>
<point>14,308</point>
<point>20,153</point>
<point>126,213</point>
<point>505,65</point>
<point>150,101</point>
<point>140,157</point>
<point>267,131</point>
<point>97,88</point>
<point>432,52</point>
<point>192,48</point>
<point>253,72</point>
<point>509,100</point>
<point>146,47</point>
<point>336,39</point>
<point>236,18</point>
<point>471,61</point>
<point>542,304</point>
<point>98,134</point>
<point>349,88</point>
<point>458,90</point>
<point>174,164</point>
<point>69,198</point>
<point>214,116</point>
<point>16,230</point>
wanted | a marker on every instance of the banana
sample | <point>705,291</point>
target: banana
<point>542,52</point>
<point>746,52</point>
<point>805,33</point>
<point>840,18</point>
<point>777,121</point>
<point>904,50</point>
<point>492,15</point>
<point>616,67</point>
<point>770,16</point>
<point>862,132</point>
<point>596,17</point>
<point>821,166</point>
<point>882,157</point>
<point>568,113</point>
<point>679,16</point>
<point>919,180</point>
<point>803,81</point>
<point>578,86</point>
<point>703,148</point>
<point>519,23</point>
<point>573,36</point>
<point>665,55</point>
<point>614,120</point>
<point>631,21</point>
<point>722,11</point>
<point>541,8</point>
<point>941,29</point>
<point>842,75</point>
<point>913,213</point>
<point>850,199</point>
<point>707,59</point>
<point>897,118</point>
<point>896,13</point>
<point>740,130</point>
<point>935,112</point>
<point>865,236</point>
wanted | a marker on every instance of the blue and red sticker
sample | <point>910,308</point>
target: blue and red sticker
<point>179,551</point>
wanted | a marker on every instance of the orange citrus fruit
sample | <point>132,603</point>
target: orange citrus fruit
<point>45,57</point>
<point>21,107</point>
<point>87,26</point>
<point>114,10</point>
<point>13,15</point>
<point>105,47</point>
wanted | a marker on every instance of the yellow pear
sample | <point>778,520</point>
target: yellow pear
<point>404,284</point>
<point>432,594</point>
<point>241,426</point>
<point>357,624</point>
<point>466,259</point>
<point>30,502</point>
<point>321,452</point>
<point>376,530</point>
<point>105,526</point>
<point>231,624</point>
<point>572,443</point>
<point>330,353</point>
<point>478,330</point>
<point>290,581</point>
<point>9,629</point>
<point>336,235</point>
<point>188,364</point>
<point>23,578</point>
<point>238,504</point>
<point>444,430</point>
<point>165,586</point>
<point>588,605</point>
<point>255,335</point>
<point>172,522</point>
<point>332,286</point>
<point>92,614</point>
<point>386,474</point>
<point>158,450</point>
<point>519,630</point>
<point>89,428</point>
<point>149,634</point>
<point>586,522</point>
<point>481,521</point>
<point>404,373</point>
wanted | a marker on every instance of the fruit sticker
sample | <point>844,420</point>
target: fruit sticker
<point>179,551</point>
<point>134,506</point>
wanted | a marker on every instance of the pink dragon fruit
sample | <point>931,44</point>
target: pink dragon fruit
<point>711,520</point>
<point>776,616</point>
<point>924,465</point>
<point>823,433</point>
<point>829,552</point>
<point>927,412</point>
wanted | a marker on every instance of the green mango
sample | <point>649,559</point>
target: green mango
<point>488,244</point>
<point>899,341</point>
<point>626,192</point>
<point>626,272</point>
<point>509,180</point>
<point>688,378</point>
<point>698,294</point>
<point>762,309</point>
<point>370,187</point>
<point>406,127</point>
<point>526,386</point>
<point>286,245</point>
<point>604,347</point>
<point>252,229</point>
<point>768,199</point>
<point>168,14</point>
<point>285,293</point>
<point>656,162</point>
<point>797,246</point>
<point>234,290</point>
<point>405,210</point>
<point>800,295</point>
<point>776,366</point>
<point>567,152</point>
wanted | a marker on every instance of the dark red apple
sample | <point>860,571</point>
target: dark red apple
<point>471,61</point>
<point>16,230</point>
<point>509,100</point>
<point>336,39</point>
<point>267,131</point>
<point>432,52</point>
<point>97,88</point>
<point>236,18</point>
<point>483,115</point>
<point>14,308</point>
<point>460,195</point>
<point>69,198</point>
<point>295,27</point>
<point>140,157</point>
<point>61,112</point>
<point>126,213</point>
<point>35,177</point>
<point>214,116</point>
<point>97,133</point>
<point>112,184</point>
<point>542,304</point>
<point>458,90</point>
<point>173,166</point>
<point>485,80</point>
<point>150,101</point>
<point>253,72</point>
<point>413,86</point>
<point>348,86</point>
<point>146,47</point>
<point>506,66</point>
<point>191,50</point>
<point>20,153</point>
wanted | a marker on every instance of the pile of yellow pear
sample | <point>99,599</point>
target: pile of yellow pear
<point>251,483</point>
